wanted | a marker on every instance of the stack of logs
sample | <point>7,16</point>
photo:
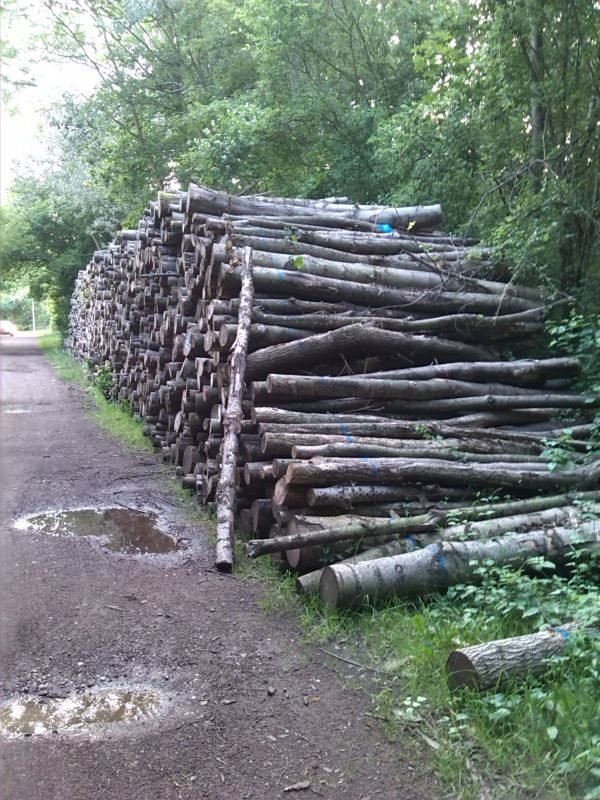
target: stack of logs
<point>376,413</point>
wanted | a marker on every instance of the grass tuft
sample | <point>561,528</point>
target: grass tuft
<point>114,418</point>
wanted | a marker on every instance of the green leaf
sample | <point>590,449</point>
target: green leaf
<point>552,732</point>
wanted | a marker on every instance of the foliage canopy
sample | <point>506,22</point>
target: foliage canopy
<point>491,107</point>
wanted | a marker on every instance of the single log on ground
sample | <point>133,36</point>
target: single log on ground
<point>444,564</point>
<point>486,665</point>
<point>226,490</point>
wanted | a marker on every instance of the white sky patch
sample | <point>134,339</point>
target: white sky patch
<point>22,120</point>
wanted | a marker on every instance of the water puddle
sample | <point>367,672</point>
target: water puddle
<point>30,716</point>
<point>122,530</point>
<point>17,409</point>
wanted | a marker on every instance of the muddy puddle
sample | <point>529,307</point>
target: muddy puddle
<point>122,530</point>
<point>31,716</point>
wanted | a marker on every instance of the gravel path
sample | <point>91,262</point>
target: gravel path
<point>248,710</point>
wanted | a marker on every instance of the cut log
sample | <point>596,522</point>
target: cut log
<point>487,665</point>
<point>494,519</point>
<point>370,471</point>
<point>360,338</point>
<point>444,564</point>
<point>226,490</point>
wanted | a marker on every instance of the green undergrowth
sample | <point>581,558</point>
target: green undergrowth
<point>532,738</point>
<point>114,418</point>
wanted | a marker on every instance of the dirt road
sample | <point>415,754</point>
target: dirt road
<point>248,711</point>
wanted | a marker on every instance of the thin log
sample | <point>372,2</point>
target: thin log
<point>226,490</point>
<point>360,338</point>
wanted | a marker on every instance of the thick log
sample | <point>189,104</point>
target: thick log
<point>203,200</point>
<point>277,443</point>
<point>524,372</point>
<point>457,326</point>
<point>308,387</point>
<point>409,278</point>
<point>443,564</point>
<point>346,497</point>
<point>226,490</point>
<point>397,470</point>
<point>487,665</point>
<point>389,450</point>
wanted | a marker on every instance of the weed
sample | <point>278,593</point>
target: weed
<point>114,418</point>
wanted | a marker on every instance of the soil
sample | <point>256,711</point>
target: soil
<point>250,711</point>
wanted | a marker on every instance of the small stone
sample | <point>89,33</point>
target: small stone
<point>271,691</point>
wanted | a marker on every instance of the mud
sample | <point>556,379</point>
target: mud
<point>33,716</point>
<point>122,530</point>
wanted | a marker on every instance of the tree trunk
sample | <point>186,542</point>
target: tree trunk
<point>360,338</point>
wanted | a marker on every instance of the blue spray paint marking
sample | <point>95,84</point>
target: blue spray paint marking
<point>563,632</point>
<point>349,438</point>
<point>281,274</point>
<point>385,228</point>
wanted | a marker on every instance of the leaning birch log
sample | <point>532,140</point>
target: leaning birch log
<point>444,564</point>
<point>226,489</point>
<point>486,665</point>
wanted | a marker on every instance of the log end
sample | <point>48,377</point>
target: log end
<point>460,672</point>
<point>224,565</point>
<point>329,590</point>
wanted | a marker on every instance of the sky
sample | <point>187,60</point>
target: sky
<point>21,119</point>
